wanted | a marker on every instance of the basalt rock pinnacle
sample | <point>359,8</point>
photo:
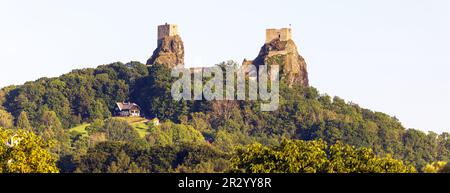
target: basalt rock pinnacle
<point>170,50</point>
<point>281,50</point>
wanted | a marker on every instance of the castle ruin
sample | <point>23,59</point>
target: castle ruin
<point>280,49</point>
<point>283,34</point>
<point>166,30</point>
<point>170,48</point>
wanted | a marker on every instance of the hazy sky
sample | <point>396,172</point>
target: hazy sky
<point>389,56</point>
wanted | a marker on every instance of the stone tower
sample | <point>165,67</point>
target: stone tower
<point>283,34</point>
<point>170,50</point>
<point>166,30</point>
<point>279,49</point>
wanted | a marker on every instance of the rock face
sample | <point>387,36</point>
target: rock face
<point>281,50</point>
<point>170,50</point>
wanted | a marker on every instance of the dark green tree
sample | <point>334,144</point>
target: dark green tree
<point>119,130</point>
<point>23,122</point>
<point>6,119</point>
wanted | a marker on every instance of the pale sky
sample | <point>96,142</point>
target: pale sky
<point>391,56</point>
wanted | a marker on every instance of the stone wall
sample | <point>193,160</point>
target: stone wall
<point>167,30</point>
<point>284,34</point>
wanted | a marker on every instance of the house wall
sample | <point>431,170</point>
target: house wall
<point>124,113</point>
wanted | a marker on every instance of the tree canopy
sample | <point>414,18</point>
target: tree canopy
<point>296,156</point>
<point>24,152</point>
<point>320,128</point>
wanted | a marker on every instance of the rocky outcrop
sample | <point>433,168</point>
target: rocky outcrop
<point>285,54</point>
<point>170,52</point>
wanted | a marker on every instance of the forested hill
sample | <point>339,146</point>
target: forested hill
<point>52,106</point>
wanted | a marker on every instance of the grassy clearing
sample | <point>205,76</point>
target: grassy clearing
<point>141,128</point>
<point>80,129</point>
<point>138,123</point>
<point>132,120</point>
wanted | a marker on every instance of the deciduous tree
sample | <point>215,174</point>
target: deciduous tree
<point>24,152</point>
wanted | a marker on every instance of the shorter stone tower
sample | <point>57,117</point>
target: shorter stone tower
<point>283,34</point>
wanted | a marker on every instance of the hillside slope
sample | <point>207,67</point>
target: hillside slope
<point>86,95</point>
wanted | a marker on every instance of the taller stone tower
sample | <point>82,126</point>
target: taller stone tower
<point>170,50</point>
<point>166,30</point>
<point>280,49</point>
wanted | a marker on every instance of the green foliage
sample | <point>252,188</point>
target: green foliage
<point>290,157</point>
<point>117,157</point>
<point>305,114</point>
<point>51,106</point>
<point>23,122</point>
<point>24,152</point>
<point>2,97</point>
<point>445,169</point>
<point>153,94</point>
<point>169,134</point>
<point>202,159</point>
<point>76,97</point>
<point>118,130</point>
<point>6,119</point>
<point>434,167</point>
<point>107,156</point>
<point>51,129</point>
<point>313,157</point>
<point>123,164</point>
<point>80,129</point>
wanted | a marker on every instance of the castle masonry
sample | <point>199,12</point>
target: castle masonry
<point>166,30</point>
<point>283,34</point>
